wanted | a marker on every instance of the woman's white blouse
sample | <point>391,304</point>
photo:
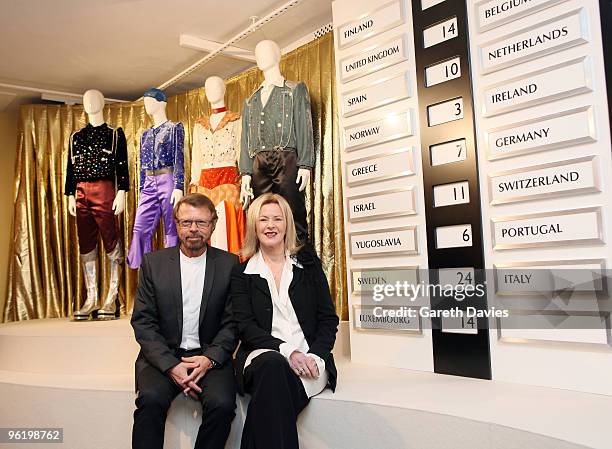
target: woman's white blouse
<point>285,325</point>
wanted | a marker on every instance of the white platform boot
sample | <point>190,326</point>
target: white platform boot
<point>108,311</point>
<point>89,262</point>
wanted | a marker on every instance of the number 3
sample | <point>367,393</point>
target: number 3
<point>458,106</point>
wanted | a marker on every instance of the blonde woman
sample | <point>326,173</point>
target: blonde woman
<point>287,326</point>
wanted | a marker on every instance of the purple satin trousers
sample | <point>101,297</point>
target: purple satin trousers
<point>154,203</point>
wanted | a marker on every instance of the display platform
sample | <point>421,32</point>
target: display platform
<point>79,376</point>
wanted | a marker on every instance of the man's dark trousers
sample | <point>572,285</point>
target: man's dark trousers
<point>156,391</point>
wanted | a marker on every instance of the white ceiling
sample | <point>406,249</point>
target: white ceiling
<point>123,47</point>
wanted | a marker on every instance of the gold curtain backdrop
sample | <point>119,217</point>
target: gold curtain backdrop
<point>45,280</point>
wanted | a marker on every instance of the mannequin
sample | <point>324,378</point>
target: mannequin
<point>277,145</point>
<point>97,158</point>
<point>161,177</point>
<point>214,88</point>
<point>216,145</point>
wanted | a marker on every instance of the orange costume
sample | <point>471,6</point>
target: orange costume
<point>214,173</point>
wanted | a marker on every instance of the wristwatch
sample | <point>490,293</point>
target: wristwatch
<point>213,364</point>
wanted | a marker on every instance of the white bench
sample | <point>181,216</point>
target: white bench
<point>79,376</point>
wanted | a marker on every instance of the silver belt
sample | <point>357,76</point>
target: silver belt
<point>159,171</point>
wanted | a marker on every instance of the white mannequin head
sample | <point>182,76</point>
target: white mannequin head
<point>152,106</point>
<point>93,101</point>
<point>155,102</point>
<point>267,55</point>
<point>214,87</point>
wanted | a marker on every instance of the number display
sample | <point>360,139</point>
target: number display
<point>443,71</point>
<point>445,153</point>
<point>450,194</point>
<point>441,32</point>
<point>459,325</point>
<point>429,3</point>
<point>465,278</point>
<point>445,112</point>
<point>456,276</point>
<point>455,236</point>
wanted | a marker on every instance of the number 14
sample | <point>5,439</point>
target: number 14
<point>451,30</point>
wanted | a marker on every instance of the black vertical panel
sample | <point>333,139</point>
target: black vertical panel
<point>605,15</point>
<point>458,354</point>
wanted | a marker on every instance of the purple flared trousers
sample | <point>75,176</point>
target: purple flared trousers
<point>154,203</point>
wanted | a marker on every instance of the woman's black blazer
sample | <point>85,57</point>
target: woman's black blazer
<point>311,300</point>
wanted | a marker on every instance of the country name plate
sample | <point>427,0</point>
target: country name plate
<point>381,167</point>
<point>363,280</point>
<point>544,133</point>
<point>385,129</point>
<point>497,12</point>
<point>393,203</point>
<point>530,43</point>
<point>554,326</point>
<point>371,24</point>
<point>545,181</point>
<point>548,84</point>
<point>388,318</point>
<point>581,226</point>
<point>380,93</point>
<point>400,241</point>
<point>542,278</point>
<point>375,58</point>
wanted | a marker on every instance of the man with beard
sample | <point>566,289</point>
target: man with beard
<point>183,322</point>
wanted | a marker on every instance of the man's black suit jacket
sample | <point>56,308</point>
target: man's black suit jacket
<point>158,309</point>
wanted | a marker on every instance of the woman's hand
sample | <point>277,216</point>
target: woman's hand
<point>303,366</point>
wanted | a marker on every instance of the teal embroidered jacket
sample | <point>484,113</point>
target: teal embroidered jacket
<point>284,123</point>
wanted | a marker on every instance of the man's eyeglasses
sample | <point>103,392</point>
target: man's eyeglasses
<point>201,224</point>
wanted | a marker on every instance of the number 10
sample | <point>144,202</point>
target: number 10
<point>451,70</point>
